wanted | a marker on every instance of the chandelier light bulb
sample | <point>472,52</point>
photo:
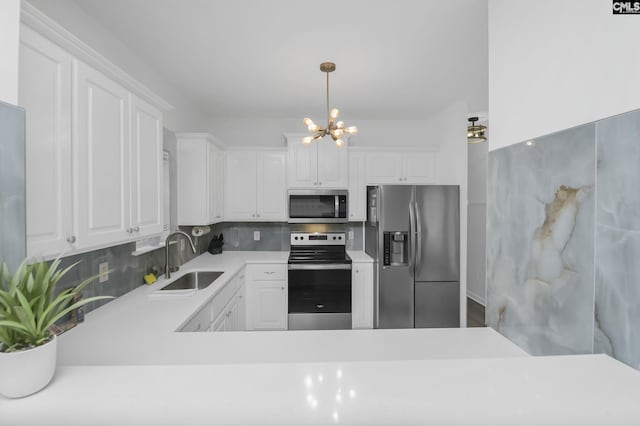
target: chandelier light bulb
<point>334,113</point>
<point>337,133</point>
<point>340,124</point>
<point>307,139</point>
<point>352,130</point>
<point>308,122</point>
<point>312,127</point>
<point>339,142</point>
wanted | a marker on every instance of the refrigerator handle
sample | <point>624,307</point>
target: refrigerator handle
<point>412,239</point>
<point>418,238</point>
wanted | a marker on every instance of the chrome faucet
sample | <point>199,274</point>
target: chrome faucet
<point>167,269</point>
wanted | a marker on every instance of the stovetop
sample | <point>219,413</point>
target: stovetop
<point>318,248</point>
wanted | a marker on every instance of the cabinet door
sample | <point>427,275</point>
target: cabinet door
<point>419,167</point>
<point>240,185</point>
<point>333,164</point>
<point>302,164</point>
<point>242,307</point>
<point>146,168</point>
<point>267,305</point>
<point>231,323</point>
<point>384,167</point>
<point>193,183</point>
<point>45,92</point>
<point>216,190</point>
<point>357,187</point>
<point>271,186</point>
<point>362,295</point>
<point>101,158</point>
<point>220,323</point>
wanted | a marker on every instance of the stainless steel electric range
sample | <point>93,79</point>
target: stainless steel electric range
<point>319,282</point>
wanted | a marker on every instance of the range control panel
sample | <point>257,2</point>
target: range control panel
<point>318,239</point>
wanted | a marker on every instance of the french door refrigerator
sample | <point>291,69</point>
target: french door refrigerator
<point>413,235</point>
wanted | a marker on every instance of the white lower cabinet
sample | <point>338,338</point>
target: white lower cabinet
<point>362,295</point>
<point>267,297</point>
<point>200,321</point>
<point>224,312</point>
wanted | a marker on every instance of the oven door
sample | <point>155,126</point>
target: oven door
<point>318,206</point>
<point>319,296</point>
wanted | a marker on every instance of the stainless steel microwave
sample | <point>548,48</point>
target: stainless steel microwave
<point>318,206</point>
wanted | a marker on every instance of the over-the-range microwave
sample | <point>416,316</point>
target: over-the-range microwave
<point>318,206</point>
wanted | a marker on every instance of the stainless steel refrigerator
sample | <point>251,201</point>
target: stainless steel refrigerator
<point>12,185</point>
<point>413,235</point>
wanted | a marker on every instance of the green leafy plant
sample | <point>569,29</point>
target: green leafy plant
<point>29,305</point>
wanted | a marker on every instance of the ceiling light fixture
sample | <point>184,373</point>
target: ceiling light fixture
<point>334,128</point>
<point>475,132</point>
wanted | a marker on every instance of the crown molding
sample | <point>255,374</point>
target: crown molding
<point>38,21</point>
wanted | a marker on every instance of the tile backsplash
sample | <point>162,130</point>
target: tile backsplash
<point>128,271</point>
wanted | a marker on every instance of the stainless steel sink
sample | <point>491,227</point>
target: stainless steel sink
<point>193,281</point>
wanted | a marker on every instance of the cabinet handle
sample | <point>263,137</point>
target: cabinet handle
<point>405,179</point>
<point>129,230</point>
<point>71,239</point>
<point>269,272</point>
<point>315,183</point>
<point>319,183</point>
<point>400,179</point>
<point>281,288</point>
<point>257,215</point>
<point>136,229</point>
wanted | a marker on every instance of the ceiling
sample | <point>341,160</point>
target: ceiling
<point>396,59</point>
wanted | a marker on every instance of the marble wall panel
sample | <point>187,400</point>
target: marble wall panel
<point>617,297</point>
<point>540,242</point>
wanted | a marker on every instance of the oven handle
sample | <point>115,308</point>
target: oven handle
<point>322,267</point>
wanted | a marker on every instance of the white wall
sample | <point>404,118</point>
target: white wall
<point>477,229</point>
<point>9,45</point>
<point>555,64</point>
<point>184,117</point>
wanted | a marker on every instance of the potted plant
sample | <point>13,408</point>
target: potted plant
<point>29,307</point>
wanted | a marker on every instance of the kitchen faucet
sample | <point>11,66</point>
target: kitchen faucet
<point>167,269</point>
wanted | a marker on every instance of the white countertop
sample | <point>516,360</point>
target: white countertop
<point>569,390</point>
<point>126,365</point>
<point>139,328</point>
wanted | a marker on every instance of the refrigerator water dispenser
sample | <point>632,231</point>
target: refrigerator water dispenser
<point>396,252</point>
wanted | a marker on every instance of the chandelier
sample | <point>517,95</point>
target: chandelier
<point>475,132</point>
<point>335,129</point>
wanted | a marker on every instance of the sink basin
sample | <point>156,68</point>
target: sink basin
<point>193,281</point>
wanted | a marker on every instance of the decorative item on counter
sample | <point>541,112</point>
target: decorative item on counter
<point>30,308</point>
<point>150,278</point>
<point>215,246</point>
<point>199,231</point>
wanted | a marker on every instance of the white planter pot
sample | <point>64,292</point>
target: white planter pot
<point>26,372</point>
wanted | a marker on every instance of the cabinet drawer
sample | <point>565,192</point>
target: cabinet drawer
<point>271,272</point>
<point>224,296</point>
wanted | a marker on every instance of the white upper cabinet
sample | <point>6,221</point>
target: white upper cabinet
<point>146,168</point>
<point>320,164</point>
<point>45,93</point>
<point>255,185</point>
<point>357,186</point>
<point>394,167</point>
<point>101,157</point>
<point>94,146</point>
<point>200,164</point>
